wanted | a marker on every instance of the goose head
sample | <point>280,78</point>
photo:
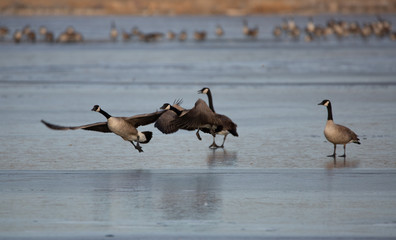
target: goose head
<point>96,108</point>
<point>204,90</point>
<point>325,102</point>
<point>166,106</point>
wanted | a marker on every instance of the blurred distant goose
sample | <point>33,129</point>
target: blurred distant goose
<point>17,36</point>
<point>183,36</point>
<point>337,134</point>
<point>219,31</point>
<point>199,35</point>
<point>125,36</point>
<point>249,32</point>
<point>125,127</point>
<point>171,35</point>
<point>113,32</point>
<point>3,31</point>
<point>227,125</point>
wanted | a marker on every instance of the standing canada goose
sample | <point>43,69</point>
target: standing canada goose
<point>337,134</point>
<point>17,36</point>
<point>125,127</point>
<point>113,32</point>
<point>227,125</point>
<point>219,31</point>
<point>199,35</point>
<point>3,32</point>
<point>182,36</point>
<point>249,32</point>
<point>171,35</point>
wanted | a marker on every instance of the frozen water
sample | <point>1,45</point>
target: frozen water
<point>258,185</point>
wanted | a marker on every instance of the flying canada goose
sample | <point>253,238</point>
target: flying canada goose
<point>337,134</point>
<point>200,117</point>
<point>227,125</point>
<point>172,112</point>
<point>125,127</point>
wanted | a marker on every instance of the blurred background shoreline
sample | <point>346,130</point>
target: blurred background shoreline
<point>201,7</point>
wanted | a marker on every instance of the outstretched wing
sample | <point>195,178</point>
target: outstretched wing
<point>164,122</point>
<point>99,127</point>
<point>143,119</point>
<point>197,117</point>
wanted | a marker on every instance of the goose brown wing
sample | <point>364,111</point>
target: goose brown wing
<point>143,119</point>
<point>348,131</point>
<point>164,122</point>
<point>99,127</point>
<point>197,117</point>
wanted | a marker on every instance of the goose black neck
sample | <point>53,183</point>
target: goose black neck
<point>329,112</point>
<point>105,114</point>
<point>177,111</point>
<point>209,93</point>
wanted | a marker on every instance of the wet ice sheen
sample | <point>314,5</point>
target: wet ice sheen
<point>198,202</point>
<point>274,180</point>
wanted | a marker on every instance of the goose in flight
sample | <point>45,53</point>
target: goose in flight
<point>335,133</point>
<point>125,127</point>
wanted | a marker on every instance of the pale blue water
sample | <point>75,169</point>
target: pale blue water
<point>270,89</point>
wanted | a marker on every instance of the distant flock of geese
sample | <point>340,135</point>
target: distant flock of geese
<point>381,28</point>
<point>202,117</point>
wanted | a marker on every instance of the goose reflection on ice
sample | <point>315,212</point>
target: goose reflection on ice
<point>191,198</point>
<point>221,157</point>
<point>342,163</point>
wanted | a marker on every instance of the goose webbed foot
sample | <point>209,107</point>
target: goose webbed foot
<point>333,155</point>
<point>342,156</point>
<point>213,146</point>
<point>137,147</point>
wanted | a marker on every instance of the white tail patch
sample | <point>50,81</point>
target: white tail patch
<point>142,137</point>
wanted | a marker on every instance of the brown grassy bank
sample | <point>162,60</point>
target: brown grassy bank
<point>194,7</point>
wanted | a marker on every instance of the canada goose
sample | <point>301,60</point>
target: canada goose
<point>3,31</point>
<point>219,31</point>
<point>227,125</point>
<point>277,32</point>
<point>199,35</point>
<point>17,36</point>
<point>135,31</point>
<point>70,36</point>
<point>182,36</point>
<point>310,27</point>
<point>200,117</point>
<point>113,32</point>
<point>171,35</point>
<point>249,32</point>
<point>125,127</point>
<point>125,36</point>
<point>337,134</point>
<point>172,112</point>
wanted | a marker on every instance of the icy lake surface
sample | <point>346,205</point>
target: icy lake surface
<point>269,88</point>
